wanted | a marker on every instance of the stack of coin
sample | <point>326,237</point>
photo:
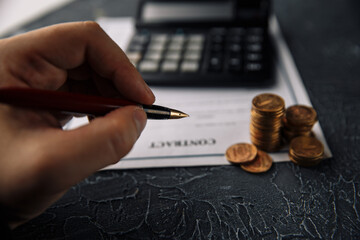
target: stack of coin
<point>249,157</point>
<point>306,151</point>
<point>265,125</point>
<point>298,121</point>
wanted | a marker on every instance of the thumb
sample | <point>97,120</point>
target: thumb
<point>80,152</point>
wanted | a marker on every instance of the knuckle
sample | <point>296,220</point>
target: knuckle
<point>91,26</point>
<point>38,73</point>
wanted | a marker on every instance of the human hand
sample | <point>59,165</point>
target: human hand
<point>39,161</point>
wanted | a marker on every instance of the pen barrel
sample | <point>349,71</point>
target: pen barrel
<point>61,101</point>
<point>73,102</point>
<point>157,112</point>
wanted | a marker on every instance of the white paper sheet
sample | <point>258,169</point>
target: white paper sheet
<point>15,13</point>
<point>218,117</point>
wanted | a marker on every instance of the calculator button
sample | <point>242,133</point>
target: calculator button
<point>194,47</point>
<point>169,66</point>
<point>173,55</point>
<point>175,46</point>
<point>178,38</point>
<point>156,46</point>
<point>153,55</point>
<point>254,47</point>
<point>254,38</point>
<point>161,38</point>
<point>253,57</point>
<point>192,55</point>
<point>196,38</point>
<point>253,67</point>
<point>215,64</point>
<point>148,66</point>
<point>190,66</point>
<point>235,48</point>
<point>235,64</point>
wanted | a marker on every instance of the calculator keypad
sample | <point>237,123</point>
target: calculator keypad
<point>219,50</point>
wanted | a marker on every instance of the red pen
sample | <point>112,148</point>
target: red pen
<point>78,103</point>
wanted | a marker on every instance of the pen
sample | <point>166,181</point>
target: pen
<point>78,103</point>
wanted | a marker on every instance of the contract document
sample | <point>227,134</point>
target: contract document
<point>219,117</point>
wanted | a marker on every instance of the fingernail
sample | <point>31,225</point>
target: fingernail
<point>140,119</point>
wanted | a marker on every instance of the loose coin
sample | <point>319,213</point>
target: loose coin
<point>241,153</point>
<point>262,163</point>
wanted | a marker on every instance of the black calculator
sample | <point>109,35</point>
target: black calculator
<point>202,43</point>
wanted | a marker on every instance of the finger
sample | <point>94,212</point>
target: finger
<point>105,87</point>
<point>78,153</point>
<point>82,72</point>
<point>81,86</point>
<point>24,68</point>
<point>87,42</point>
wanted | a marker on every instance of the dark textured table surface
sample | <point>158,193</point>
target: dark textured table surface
<point>224,202</point>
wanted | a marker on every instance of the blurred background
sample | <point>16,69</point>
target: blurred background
<point>15,13</point>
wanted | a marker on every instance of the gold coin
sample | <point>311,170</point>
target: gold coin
<point>241,153</point>
<point>301,115</point>
<point>290,134</point>
<point>307,163</point>
<point>262,163</point>
<point>298,121</point>
<point>307,147</point>
<point>268,102</point>
<point>268,147</point>
<point>265,123</point>
<point>306,151</point>
<point>295,128</point>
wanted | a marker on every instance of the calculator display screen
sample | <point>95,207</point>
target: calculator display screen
<point>187,11</point>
